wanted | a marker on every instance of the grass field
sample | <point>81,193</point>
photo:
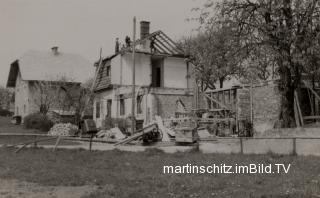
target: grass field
<point>127,174</point>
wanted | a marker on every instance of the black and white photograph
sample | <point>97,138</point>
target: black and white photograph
<point>159,99</point>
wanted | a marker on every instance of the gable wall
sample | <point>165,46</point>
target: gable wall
<point>174,75</point>
<point>21,106</point>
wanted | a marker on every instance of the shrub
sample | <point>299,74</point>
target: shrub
<point>5,113</point>
<point>38,121</point>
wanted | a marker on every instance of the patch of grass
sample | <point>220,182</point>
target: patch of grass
<point>128,174</point>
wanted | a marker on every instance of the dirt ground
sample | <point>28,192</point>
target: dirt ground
<point>18,189</point>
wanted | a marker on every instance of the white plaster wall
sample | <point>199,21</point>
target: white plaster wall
<point>116,69</point>
<point>143,69</point>
<point>128,108</point>
<point>21,97</point>
<point>102,98</point>
<point>175,73</point>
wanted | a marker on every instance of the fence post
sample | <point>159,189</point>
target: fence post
<point>241,145</point>
<point>35,141</point>
<point>294,149</point>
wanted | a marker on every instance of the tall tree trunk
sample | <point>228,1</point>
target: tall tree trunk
<point>221,80</point>
<point>286,88</point>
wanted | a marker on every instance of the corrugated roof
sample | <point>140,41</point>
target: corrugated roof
<point>47,66</point>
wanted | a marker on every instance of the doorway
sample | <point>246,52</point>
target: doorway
<point>157,72</point>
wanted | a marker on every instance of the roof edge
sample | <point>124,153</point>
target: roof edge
<point>13,74</point>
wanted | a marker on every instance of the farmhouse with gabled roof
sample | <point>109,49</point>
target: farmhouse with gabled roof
<point>44,66</point>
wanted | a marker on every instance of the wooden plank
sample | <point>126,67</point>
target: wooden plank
<point>310,88</point>
<point>222,89</point>
<point>57,143</point>
<point>139,133</point>
<point>30,142</point>
<point>298,107</point>
<point>296,114</point>
<point>24,134</point>
<point>222,105</point>
<point>311,117</point>
<point>19,149</point>
<point>310,100</point>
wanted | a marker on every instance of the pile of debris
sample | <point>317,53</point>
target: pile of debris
<point>113,134</point>
<point>63,129</point>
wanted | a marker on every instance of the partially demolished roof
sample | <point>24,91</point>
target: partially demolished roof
<point>102,79</point>
<point>163,46</point>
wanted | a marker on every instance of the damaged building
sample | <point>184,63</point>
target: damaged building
<point>162,76</point>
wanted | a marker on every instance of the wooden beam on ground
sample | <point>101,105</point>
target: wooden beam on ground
<point>57,143</point>
<point>30,142</point>
<point>137,135</point>
<point>298,107</point>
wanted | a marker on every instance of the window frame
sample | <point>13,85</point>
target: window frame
<point>122,106</point>
<point>98,109</point>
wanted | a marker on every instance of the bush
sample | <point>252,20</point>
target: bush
<point>38,121</point>
<point>5,113</point>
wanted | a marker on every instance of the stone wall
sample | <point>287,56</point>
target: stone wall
<point>165,105</point>
<point>266,107</point>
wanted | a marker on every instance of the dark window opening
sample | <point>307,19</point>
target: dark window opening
<point>109,106</point>
<point>122,105</point>
<point>97,109</point>
<point>139,105</point>
<point>108,71</point>
<point>157,72</point>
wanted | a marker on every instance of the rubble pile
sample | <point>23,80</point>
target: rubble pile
<point>114,133</point>
<point>63,129</point>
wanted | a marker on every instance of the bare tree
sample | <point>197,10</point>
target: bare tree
<point>51,94</point>
<point>81,99</point>
<point>215,52</point>
<point>6,97</point>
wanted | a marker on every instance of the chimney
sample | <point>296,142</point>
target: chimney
<point>144,29</point>
<point>55,50</point>
<point>117,46</point>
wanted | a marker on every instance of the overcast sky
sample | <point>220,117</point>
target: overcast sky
<point>83,26</point>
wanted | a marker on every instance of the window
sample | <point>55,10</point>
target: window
<point>97,109</point>
<point>109,106</point>
<point>17,111</point>
<point>109,71</point>
<point>24,109</point>
<point>122,105</point>
<point>139,104</point>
